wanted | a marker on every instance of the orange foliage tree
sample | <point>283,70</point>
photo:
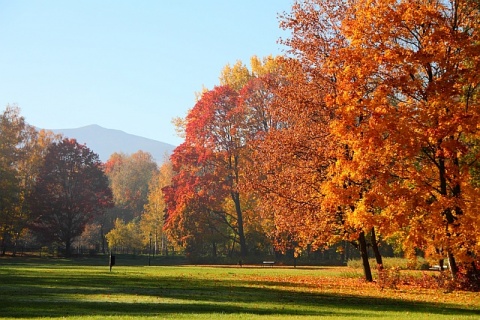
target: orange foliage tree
<point>404,98</point>
<point>288,153</point>
<point>293,159</point>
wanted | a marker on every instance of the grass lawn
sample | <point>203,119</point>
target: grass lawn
<point>80,289</point>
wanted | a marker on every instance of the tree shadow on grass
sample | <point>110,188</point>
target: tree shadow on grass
<point>59,295</point>
<point>38,309</point>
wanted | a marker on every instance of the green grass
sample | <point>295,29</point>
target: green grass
<point>83,289</point>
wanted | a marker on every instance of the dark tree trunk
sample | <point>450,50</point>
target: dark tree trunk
<point>378,256</point>
<point>4,245</point>
<point>362,244</point>
<point>440,264</point>
<point>453,265</point>
<point>68,246</point>
<point>102,238</point>
<point>449,217</point>
<point>347,251</point>
<point>214,249</point>
<point>236,199</point>
<point>234,241</point>
<point>241,234</point>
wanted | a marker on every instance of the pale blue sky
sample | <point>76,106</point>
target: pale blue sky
<point>127,65</point>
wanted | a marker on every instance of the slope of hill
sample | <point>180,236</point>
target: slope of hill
<point>104,142</point>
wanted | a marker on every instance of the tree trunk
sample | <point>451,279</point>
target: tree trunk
<point>165,244</point>
<point>378,256</point>
<point>67,248</point>
<point>363,252</point>
<point>233,246</point>
<point>4,246</point>
<point>449,217</point>
<point>347,251</point>
<point>214,249</point>
<point>102,238</point>
<point>453,265</point>
<point>241,234</point>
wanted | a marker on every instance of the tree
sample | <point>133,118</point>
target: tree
<point>207,166</point>
<point>71,189</point>
<point>129,176</point>
<point>257,119</point>
<point>153,217</point>
<point>425,81</point>
<point>235,77</point>
<point>12,126</point>
<point>405,106</point>
<point>292,152</point>
<point>212,166</point>
<point>22,150</point>
<point>125,236</point>
<point>90,239</point>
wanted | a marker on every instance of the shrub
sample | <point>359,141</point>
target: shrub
<point>418,264</point>
<point>389,277</point>
<point>469,278</point>
<point>402,263</point>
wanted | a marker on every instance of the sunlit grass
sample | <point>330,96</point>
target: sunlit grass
<point>54,289</point>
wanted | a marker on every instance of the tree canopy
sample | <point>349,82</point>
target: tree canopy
<point>401,84</point>
<point>71,189</point>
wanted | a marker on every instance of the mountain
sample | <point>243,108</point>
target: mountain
<point>104,142</point>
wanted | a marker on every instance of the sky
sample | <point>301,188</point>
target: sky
<point>126,65</point>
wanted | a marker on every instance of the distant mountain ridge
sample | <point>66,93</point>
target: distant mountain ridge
<point>105,142</point>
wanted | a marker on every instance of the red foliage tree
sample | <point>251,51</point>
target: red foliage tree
<point>207,166</point>
<point>70,190</point>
